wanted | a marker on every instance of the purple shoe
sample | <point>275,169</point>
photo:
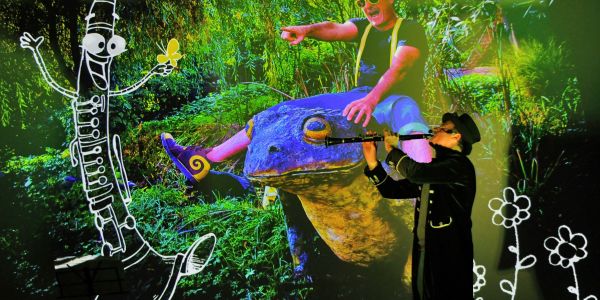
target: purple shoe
<point>191,161</point>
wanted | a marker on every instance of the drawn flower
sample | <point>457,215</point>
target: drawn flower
<point>479,271</point>
<point>510,211</point>
<point>567,248</point>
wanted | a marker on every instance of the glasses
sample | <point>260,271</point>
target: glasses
<point>446,130</point>
<point>362,3</point>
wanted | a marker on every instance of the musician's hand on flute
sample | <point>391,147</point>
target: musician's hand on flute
<point>391,140</point>
<point>370,152</point>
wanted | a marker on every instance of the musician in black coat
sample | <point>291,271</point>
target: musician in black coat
<point>443,246</point>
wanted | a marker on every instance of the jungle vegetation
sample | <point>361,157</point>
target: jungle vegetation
<point>487,57</point>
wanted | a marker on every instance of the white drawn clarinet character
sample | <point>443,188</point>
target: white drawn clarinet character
<point>99,157</point>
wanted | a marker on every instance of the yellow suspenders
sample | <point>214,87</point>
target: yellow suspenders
<point>363,41</point>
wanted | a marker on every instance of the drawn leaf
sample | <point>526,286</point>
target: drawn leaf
<point>172,47</point>
<point>170,54</point>
<point>513,249</point>
<point>161,58</point>
<point>572,290</point>
<point>590,297</point>
<point>176,56</point>
<point>507,287</point>
<point>528,261</point>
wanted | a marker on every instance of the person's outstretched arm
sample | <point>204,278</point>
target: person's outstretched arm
<point>324,31</point>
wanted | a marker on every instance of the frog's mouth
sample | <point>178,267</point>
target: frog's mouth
<point>302,177</point>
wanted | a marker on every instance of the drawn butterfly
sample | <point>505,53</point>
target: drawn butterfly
<point>171,54</point>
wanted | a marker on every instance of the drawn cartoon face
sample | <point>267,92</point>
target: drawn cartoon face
<point>100,44</point>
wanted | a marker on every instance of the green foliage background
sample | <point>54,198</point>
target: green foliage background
<point>234,66</point>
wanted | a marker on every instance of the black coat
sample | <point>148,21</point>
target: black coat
<point>448,264</point>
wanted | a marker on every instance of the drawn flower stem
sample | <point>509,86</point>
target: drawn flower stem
<point>506,285</point>
<point>521,264</point>
<point>574,289</point>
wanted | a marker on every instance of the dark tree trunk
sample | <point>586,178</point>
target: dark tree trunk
<point>53,38</point>
<point>74,38</point>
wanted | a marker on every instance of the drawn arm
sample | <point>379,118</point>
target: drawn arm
<point>160,69</point>
<point>33,44</point>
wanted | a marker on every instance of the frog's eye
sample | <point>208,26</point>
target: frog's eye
<point>116,45</point>
<point>316,129</point>
<point>94,43</point>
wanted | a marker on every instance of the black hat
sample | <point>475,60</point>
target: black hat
<point>466,127</point>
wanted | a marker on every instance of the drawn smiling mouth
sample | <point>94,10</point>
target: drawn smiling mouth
<point>98,71</point>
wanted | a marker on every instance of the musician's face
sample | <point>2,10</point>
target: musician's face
<point>445,135</point>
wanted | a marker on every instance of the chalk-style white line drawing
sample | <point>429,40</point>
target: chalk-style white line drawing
<point>509,213</point>
<point>565,251</point>
<point>99,157</point>
<point>479,271</point>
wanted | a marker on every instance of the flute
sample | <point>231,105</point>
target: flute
<point>373,138</point>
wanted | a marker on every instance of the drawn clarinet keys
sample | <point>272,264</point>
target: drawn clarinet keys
<point>99,157</point>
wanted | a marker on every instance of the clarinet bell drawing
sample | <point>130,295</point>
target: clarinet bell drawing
<point>98,155</point>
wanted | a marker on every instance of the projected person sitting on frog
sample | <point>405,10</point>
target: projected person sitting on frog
<point>388,77</point>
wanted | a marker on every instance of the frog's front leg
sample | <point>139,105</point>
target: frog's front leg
<point>160,69</point>
<point>33,44</point>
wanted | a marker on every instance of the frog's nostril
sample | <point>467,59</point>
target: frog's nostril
<point>273,149</point>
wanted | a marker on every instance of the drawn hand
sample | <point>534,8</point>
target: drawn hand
<point>364,107</point>
<point>162,69</point>
<point>29,42</point>
<point>294,34</point>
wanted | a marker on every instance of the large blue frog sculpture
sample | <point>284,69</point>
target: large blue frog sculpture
<point>323,189</point>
